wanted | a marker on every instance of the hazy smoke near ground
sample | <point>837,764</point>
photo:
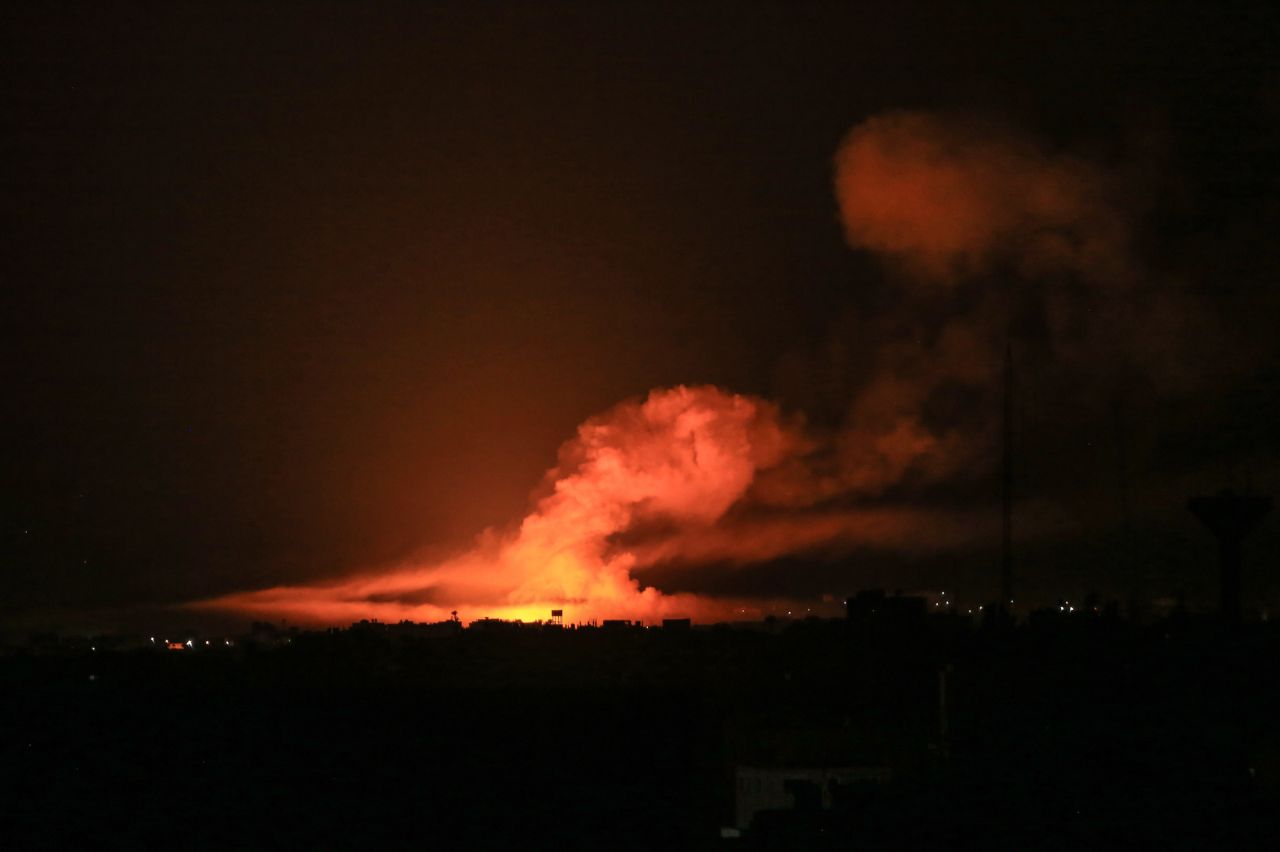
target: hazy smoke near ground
<point>681,457</point>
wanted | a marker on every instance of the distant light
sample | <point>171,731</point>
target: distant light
<point>153,638</point>
<point>1071,609</point>
<point>228,641</point>
<point>93,647</point>
<point>944,594</point>
<point>206,641</point>
<point>190,644</point>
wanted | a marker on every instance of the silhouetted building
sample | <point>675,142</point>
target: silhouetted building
<point>495,625</point>
<point>874,606</point>
<point>809,788</point>
<point>267,633</point>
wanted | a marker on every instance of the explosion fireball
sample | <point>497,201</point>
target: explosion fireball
<point>680,457</point>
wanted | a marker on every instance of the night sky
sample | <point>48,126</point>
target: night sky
<point>297,291</point>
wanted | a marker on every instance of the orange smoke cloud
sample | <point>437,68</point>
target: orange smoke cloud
<point>759,539</point>
<point>682,457</point>
<point>949,196</point>
<point>655,481</point>
<point>887,438</point>
<point>951,200</point>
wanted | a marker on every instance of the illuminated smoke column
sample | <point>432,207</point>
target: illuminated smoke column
<point>681,457</point>
<point>976,223</point>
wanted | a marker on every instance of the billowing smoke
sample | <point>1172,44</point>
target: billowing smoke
<point>679,458</point>
<point>988,237</point>
<point>951,197</point>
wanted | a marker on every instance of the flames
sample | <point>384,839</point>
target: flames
<point>680,458</point>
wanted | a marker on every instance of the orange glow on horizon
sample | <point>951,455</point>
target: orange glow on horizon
<point>682,456</point>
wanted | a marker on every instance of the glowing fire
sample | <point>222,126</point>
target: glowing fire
<point>681,457</point>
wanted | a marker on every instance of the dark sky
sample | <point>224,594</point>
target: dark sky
<point>296,289</point>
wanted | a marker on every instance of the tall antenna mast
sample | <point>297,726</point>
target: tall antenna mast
<point>1006,528</point>
<point>1137,590</point>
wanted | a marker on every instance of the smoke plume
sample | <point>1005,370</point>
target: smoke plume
<point>681,458</point>
<point>988,237</point>
<point>950,197</point>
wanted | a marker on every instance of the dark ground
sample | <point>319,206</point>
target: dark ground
<point>1066,734</point>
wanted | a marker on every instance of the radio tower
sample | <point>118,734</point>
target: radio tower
<point>1006,483</point>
